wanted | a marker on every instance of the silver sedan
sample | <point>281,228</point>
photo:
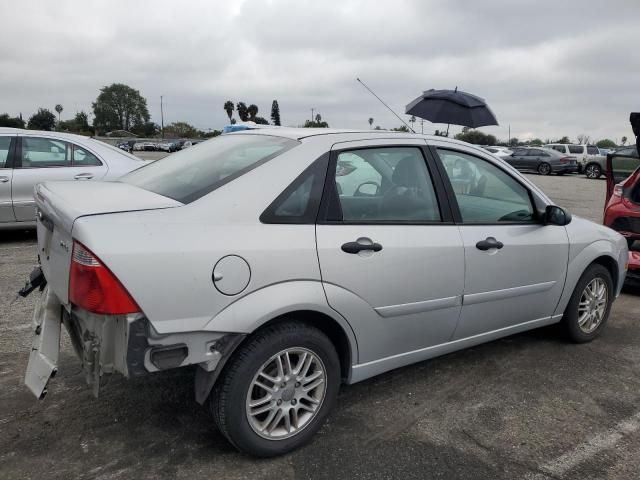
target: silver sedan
<point>28,157</point>
<point>283,263</point>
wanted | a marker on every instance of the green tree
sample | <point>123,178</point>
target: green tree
<point>243,112</point>
<point>78,124</point>
<point>606,143</point>
<point>228,107</point>
<point>318,118</point>
<point>412,121</point>
<point>623,140</point>
<point>275,113</point>
<point>120,107</point>
<point>476,137</point>
<point>146,129</point>
<point>401,128</point>
<point>182,130</point>
<point>59,110</point>
<point>261,121</point>
<point>536,142</point>
<point>564,139</point>
<point>316,124</point>
<point>212,133</point>
<point>514,142</point>
<point>42,120</point>
<point>253,111</point>
<point>370,122</point>
<point>13,122</point>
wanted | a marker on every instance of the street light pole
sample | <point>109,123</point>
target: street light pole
<point>161,118</point>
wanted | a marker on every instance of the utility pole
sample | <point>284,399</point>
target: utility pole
<point>311,114</point>
<point>422,126</point>
<point>509,139</point>
<point>161,118</point>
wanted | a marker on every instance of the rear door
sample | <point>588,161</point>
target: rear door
<point>518,159</point>
<point>515,267</point>
<point>390,256</point>
<point>40,159</point>
<point>6,174</point>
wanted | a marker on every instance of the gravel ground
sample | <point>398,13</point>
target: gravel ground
<point>529,406</point>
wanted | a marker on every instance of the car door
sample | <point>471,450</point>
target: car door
<point>390,256</point>
<point>515,266</point>
<point>6,174</point>
<point>534,157</point>
<point>517,159</point>
<point>40,159</point>
<point>620,164</point>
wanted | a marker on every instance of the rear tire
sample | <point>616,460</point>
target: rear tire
<point>297,411</point>
<point>589,306</point>
<point>593,171</point>
<point>544,168</point>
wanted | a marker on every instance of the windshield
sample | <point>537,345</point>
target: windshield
<point>190,174</point>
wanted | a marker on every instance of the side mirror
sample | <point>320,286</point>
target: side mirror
<point>554,215</point>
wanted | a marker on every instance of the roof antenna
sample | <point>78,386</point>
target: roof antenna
<point>390,109</point>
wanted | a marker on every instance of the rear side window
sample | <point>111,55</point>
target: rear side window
<point>190,174</point>
<point>576,148</point>
<point>84,158</point>
<point>559,148</point>
<point>591,150</point>
<point>44,153</point>
<point>5,144</point>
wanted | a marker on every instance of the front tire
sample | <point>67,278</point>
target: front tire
<point>544,168</point>
<point>277,389</point>
<point>593,171</point>
<point>590,304</point>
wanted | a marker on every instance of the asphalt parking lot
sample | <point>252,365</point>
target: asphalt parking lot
<point>529,406</point>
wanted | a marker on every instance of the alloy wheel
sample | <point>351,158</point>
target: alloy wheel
<point>593,305</point>
<point>286,393</point>
<point>592,171</point>
<point>544,169</point>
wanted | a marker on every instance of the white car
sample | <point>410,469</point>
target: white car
<point>499,151</point>
<point>28,157</point>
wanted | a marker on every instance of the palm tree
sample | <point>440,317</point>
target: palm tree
<point>229,108</point>
<point>623,140</point>
<point>318,118</point>
<point>253,111</point>
<point>59,110</point>
<point>370,122</point>
<point>412,120</point>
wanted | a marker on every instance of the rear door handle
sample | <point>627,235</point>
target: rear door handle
<point>355,247</point>
<point>4,179</point>
<point>489,243</point>
<point>84,176</point>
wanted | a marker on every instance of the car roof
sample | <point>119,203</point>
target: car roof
<point>72,137</point>
<point>342,134</point>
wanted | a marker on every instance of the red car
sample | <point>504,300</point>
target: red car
<point>622,210</point>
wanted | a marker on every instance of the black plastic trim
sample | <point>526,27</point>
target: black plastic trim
<point>318,169</point>
<point>169,356</point>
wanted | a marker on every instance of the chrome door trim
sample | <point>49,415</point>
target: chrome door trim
<point>419,307</point>
<point>473,298</point>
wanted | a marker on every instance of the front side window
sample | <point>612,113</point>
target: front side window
<point>84,158</point>
<point>575,149</point>
<point>484,192</point>
<point>190,174</point>
<point>5,145</point>
<point>44,153</point>
<point>389,184</point>
<point>591,150</point>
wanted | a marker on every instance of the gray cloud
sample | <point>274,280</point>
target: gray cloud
<point>546,68</point>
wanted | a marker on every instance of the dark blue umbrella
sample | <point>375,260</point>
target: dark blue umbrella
<point>452,107</point>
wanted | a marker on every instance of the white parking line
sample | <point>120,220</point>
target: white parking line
<point>603,441</point>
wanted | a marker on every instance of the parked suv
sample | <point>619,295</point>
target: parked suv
<point>588,157</point>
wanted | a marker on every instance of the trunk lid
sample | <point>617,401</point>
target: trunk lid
<point>59,204</point>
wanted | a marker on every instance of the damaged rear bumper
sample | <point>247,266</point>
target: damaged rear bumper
<point>125,344</point>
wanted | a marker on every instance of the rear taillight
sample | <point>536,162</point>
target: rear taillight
<point>566,159</point>
<point>93,287</point>
<point>618,190</point>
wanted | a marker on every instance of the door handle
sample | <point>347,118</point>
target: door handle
<point>489,243</point>
<point>355,247</point>
<point>84,176</point>
<point>4,179</point>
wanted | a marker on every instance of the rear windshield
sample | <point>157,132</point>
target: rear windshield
<point>192,173</point>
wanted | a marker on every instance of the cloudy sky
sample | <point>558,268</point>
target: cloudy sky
<point>546,68</point>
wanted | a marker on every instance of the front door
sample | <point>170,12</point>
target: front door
<point>391,259</point>
<point>515,266</point>
<point>6,174</point>
<point>41,159</point>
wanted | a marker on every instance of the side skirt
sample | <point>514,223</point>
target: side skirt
<point>366,370</point>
